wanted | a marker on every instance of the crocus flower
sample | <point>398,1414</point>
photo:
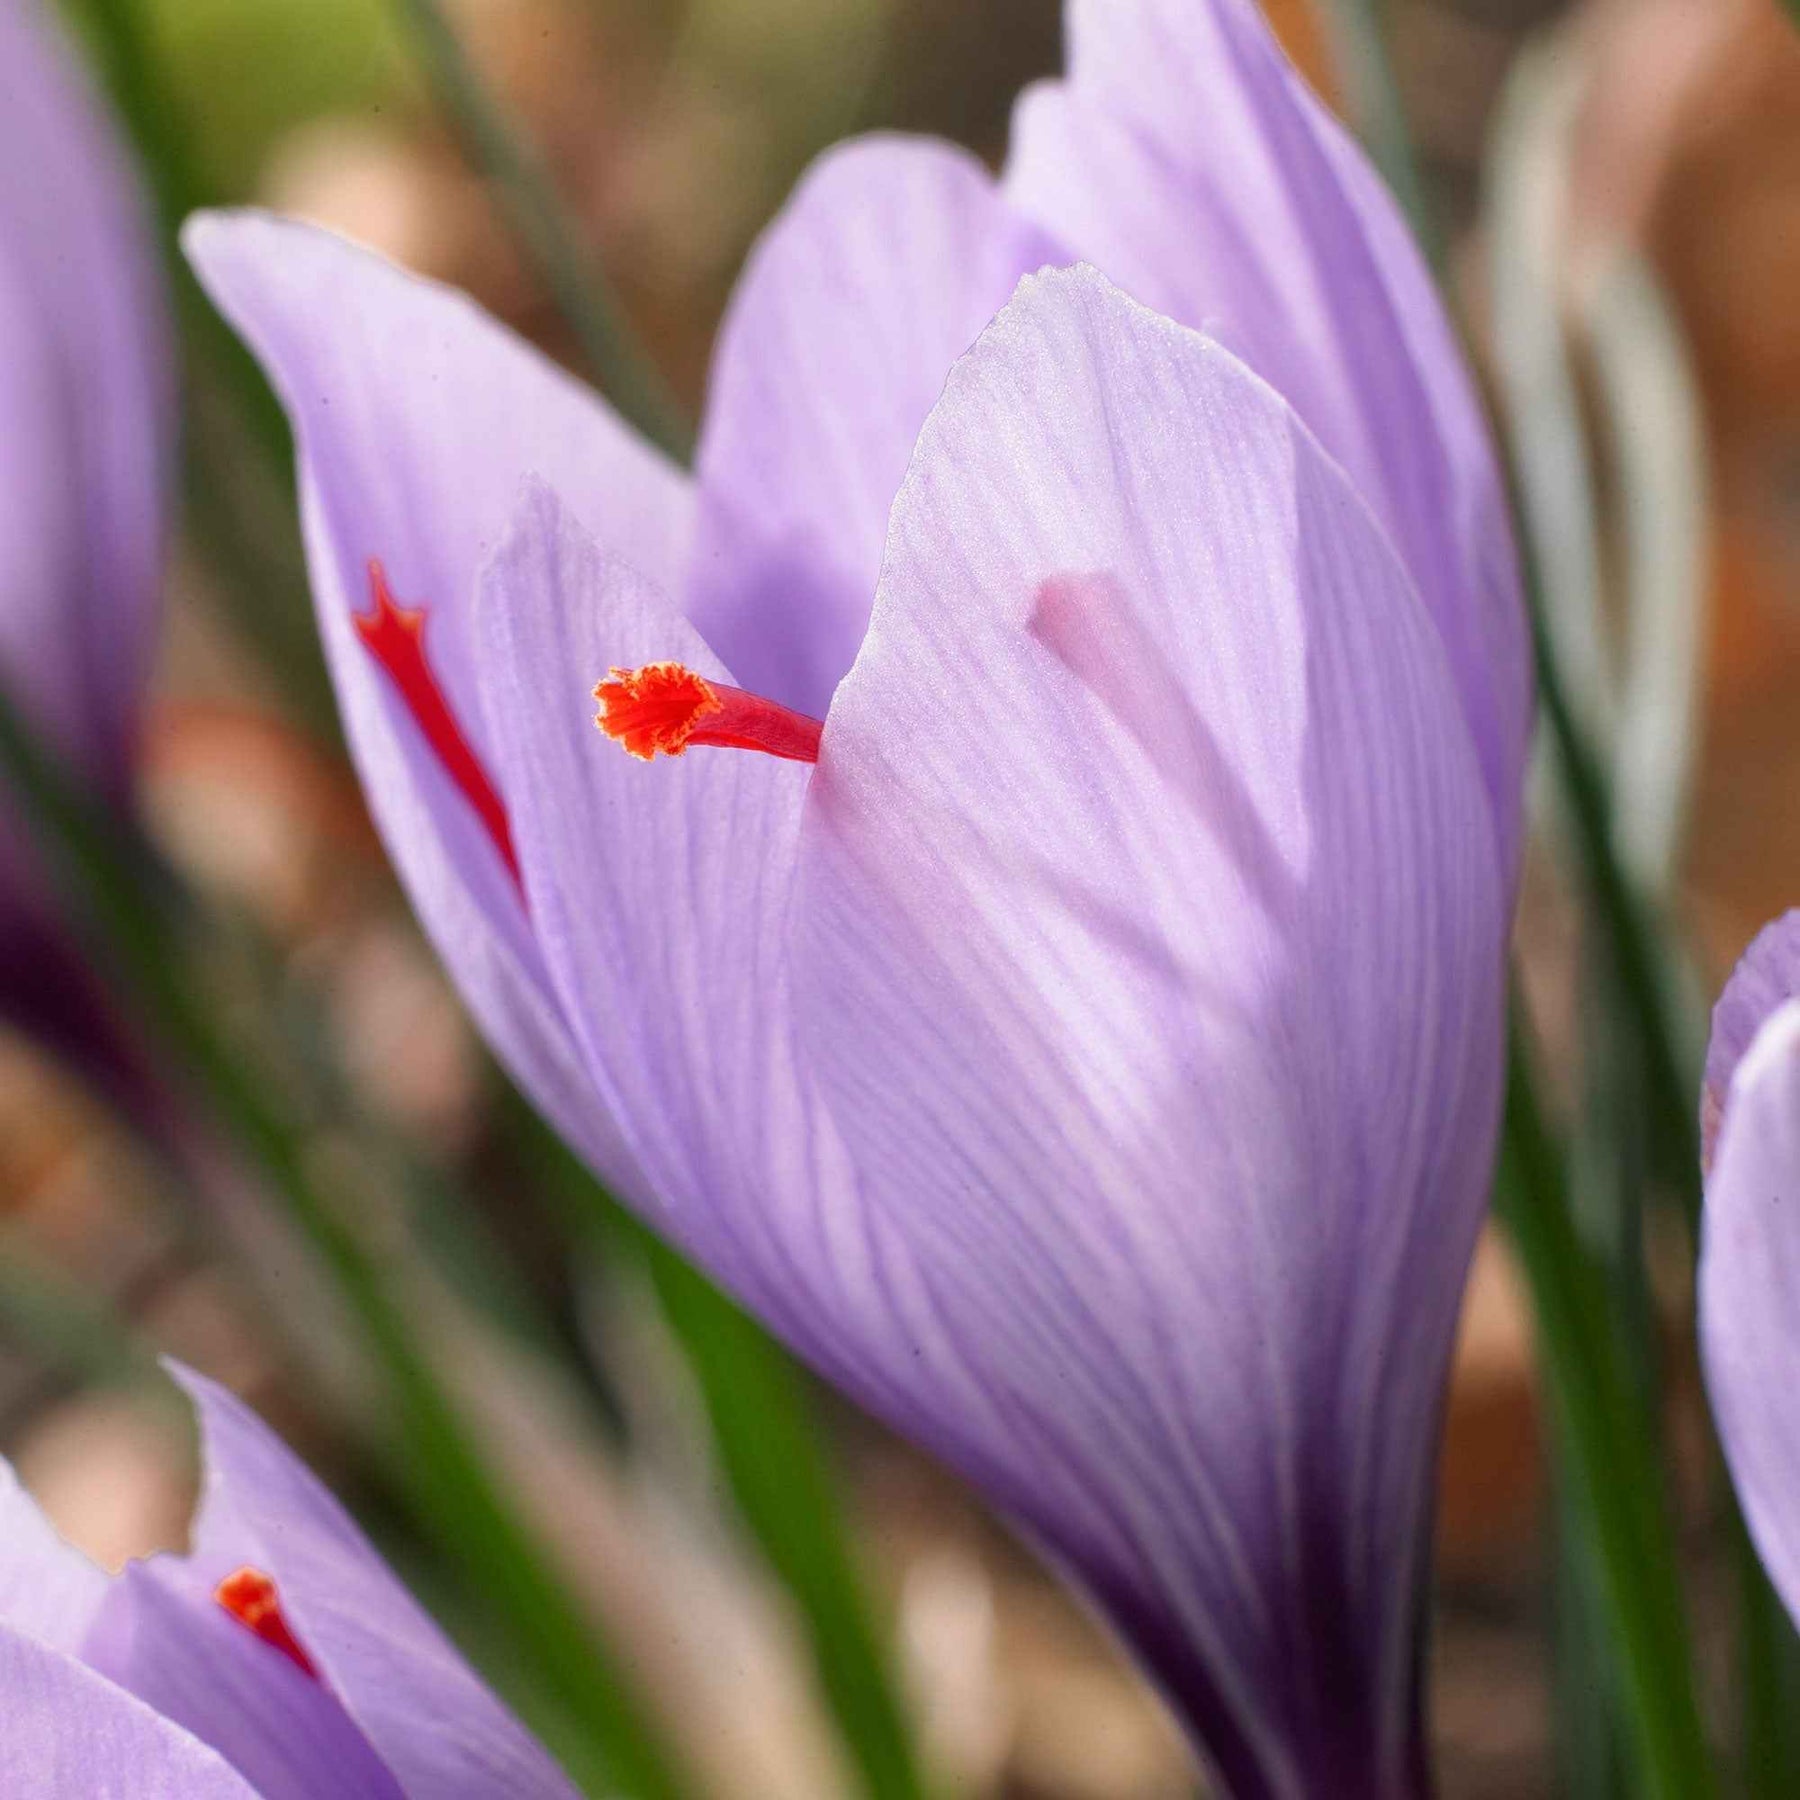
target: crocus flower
<point>1750,1257</point>
<point>85,422</point>
<point>280,1658</point>
<point>1091,1060</point>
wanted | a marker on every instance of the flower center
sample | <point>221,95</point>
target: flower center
<point>665,706</point>
<point>395,636</point>
<point>250,1597</point>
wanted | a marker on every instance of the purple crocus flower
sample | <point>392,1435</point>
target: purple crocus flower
<point>86,413</point>
<point>279,1659</point>
<point>1092,1061</point>
<point>1750,1257</point>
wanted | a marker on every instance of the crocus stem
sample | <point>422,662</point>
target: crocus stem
<point>437,1459</point>
<point>780,1476</point>
<point>1606,1449</point>
<point>592,311</point>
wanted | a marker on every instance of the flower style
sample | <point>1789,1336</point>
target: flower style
<point>1750,1255</point>
<point>1092,1061</point>
<point>86,414</point>
<point>279,1659</point>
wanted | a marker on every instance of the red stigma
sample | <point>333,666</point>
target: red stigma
<point>250,1597</point>
<point>395,636</point>
<point>665,706</point>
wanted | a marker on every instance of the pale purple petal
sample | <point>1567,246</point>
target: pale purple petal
<point>1750,1291</point>
<point>659,894</point>
<point>48,1589</point>
<point>67,1734</point>
<point>1767,974</point>
<point>1149,950</point>
<point>1186,158</point>
<point>416,417</point>
<point>429,1717</point>
<point>1148,953</point>
<point>882,269</point>
<point>86,408</point>
<point>186,1658</point>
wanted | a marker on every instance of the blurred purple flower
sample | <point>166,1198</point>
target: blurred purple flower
<point>1750,1258</point>
<point>280,1658</point>
<point>86,420</point>
<point>1093,1064</point>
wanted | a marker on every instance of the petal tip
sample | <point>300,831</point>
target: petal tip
<point>1057,283</point>
<point>1766,976</point>
<point>541,525</point>
<point>210,236</point>
<point>537,507</point>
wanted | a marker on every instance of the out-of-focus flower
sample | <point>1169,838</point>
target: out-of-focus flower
<point>1093,1064</point>
<point>86,420</point>
<point>280,1658</point>
<point>1750,1257</point>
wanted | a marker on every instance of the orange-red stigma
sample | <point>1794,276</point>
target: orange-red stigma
<point>665,706</point>
<point>395,636</point>
<point>250,1597</point>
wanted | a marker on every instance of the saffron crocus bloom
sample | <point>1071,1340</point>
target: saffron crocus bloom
<point>85,422</point>
<point>1092,1061</point>
<point>279,1659</point>
<point>1750,1259</point>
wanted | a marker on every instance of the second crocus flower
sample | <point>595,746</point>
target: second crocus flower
<point>280,1659</point>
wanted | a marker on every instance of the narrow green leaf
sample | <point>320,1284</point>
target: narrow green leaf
<point>615,359</point>
<point>1592,1756</point>
<point>772,1454</point>
<point>1607,1453</point>
<point>763,1429</point>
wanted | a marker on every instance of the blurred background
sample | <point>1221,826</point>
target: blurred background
<point>1618,189</point>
